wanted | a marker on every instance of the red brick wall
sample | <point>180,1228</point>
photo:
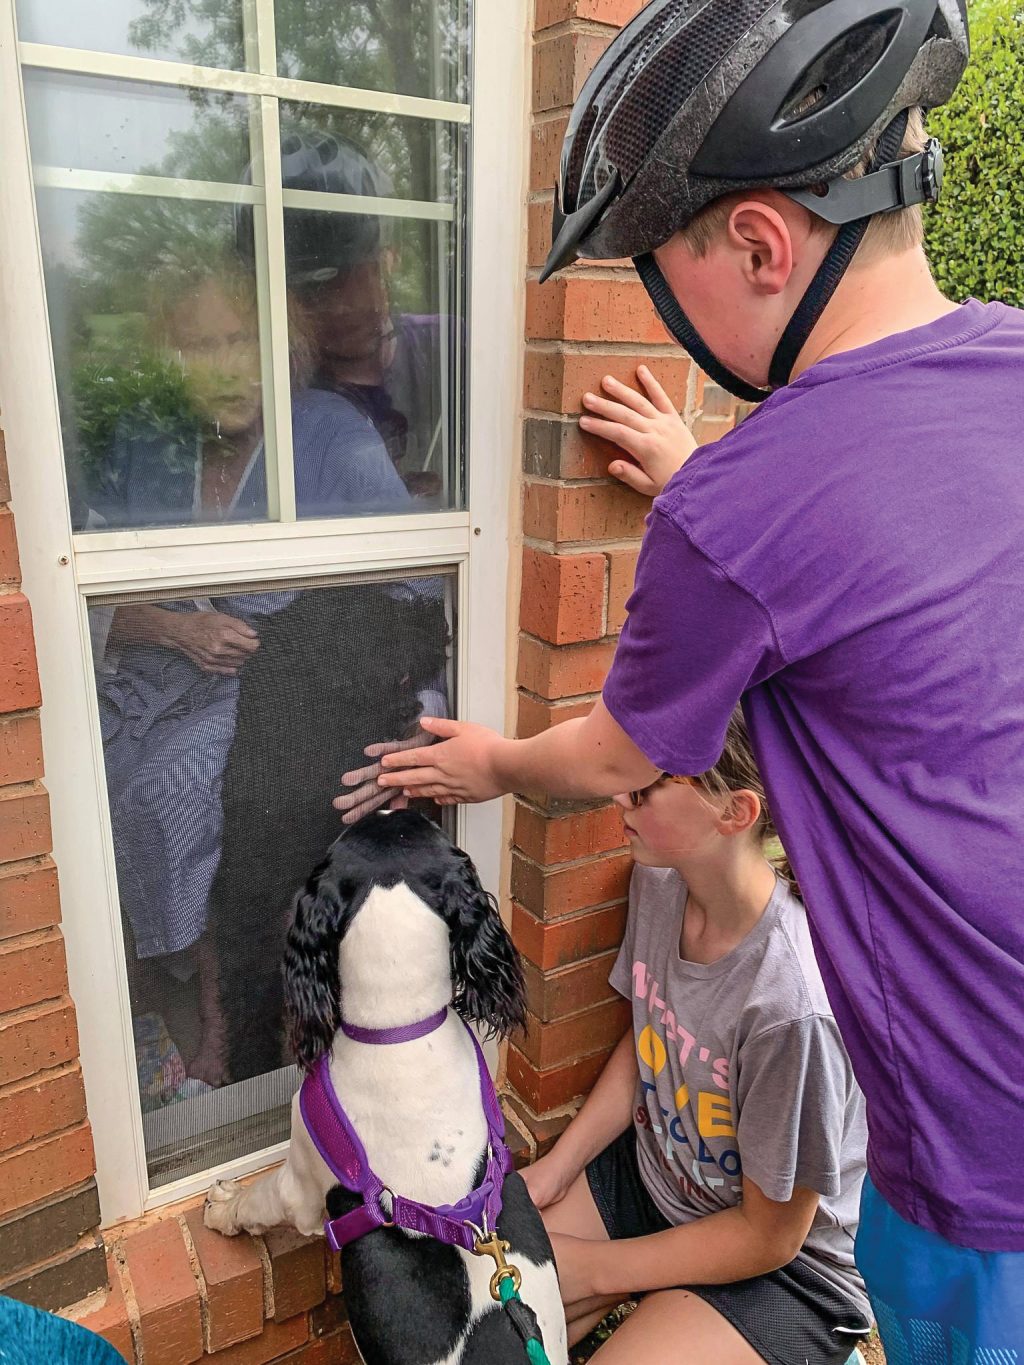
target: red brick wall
<point>180,1293</point>
<point>49,1250</point>
<point>570,870</point>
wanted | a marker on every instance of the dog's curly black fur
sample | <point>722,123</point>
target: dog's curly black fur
<point>486,972</point>
<point>336,669</point>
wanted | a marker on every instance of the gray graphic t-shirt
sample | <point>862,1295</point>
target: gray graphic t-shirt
<point>742,1072</point>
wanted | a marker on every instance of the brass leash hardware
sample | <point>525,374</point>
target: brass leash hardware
<point>492,1245</point>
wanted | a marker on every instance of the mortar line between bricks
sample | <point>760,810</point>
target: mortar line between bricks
<point>620,349</point>
<point>555,702</point>
<point>23,713</point>
<point>544,116</point>
<point>18,943</point>
<point>575,547</point>
<point>577,644</point>
<point>33,787</point>
<point>201,1286</point>
<point>40,1140</point>
<point>21,867</point>
<point>269,1305</point>
<point>587,861</point>
<point>591,481</point>
<point>591,27</point>
<point>12,1018</point>
<point>131,1303</point>
<point>46,1000</point>
<point>566,919</point>
<point>587,272</point>
<point>558,1066</point>
<point>44,1076</point>
<point>549,973</point>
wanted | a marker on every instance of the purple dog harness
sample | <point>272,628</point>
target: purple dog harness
<point>468,1223</point>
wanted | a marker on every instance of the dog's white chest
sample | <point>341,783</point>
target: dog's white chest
<point>417,1110</point>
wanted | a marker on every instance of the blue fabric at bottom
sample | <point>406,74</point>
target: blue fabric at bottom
<point>937,1303</point>
<point>31,1337</point>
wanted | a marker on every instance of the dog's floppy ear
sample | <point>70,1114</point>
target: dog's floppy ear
<point>311,983</point>
<point>486,973</point>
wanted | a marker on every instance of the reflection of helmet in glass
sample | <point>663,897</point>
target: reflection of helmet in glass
<point>322,243</point>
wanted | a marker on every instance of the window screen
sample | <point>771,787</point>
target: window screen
<point>227,720</point>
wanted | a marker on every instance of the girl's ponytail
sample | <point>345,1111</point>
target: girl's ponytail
<point>737,770</point>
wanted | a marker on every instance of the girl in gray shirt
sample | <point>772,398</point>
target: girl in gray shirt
<point>716,1167</point>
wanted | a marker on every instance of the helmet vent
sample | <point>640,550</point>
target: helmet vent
<point>665,72</point>
<point>837,70</point>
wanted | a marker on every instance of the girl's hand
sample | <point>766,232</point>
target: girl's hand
<point>646,426</point>
<point>547,1180</point>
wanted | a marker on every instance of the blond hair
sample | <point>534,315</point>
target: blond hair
<point>737,770</point>
<point>888,234</point>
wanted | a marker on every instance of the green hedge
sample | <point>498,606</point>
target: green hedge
<point>975,234</point>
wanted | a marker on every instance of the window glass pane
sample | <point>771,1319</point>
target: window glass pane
<point>376,300</point>
<point>412,47</point>
<point>152,298</point>
<point>89,123</point>
<point>195,31</point>
<point>153,319</point>
<point>227,721</point>
<point>357,151</point>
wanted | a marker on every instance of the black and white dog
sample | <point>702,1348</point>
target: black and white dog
<point>391,929</point>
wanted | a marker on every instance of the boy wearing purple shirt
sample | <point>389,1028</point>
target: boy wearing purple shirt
<point>849,562</point>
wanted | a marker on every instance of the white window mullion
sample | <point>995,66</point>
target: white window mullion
<point>151,69</point>
<point>74,773</point>
<point>275,342</point>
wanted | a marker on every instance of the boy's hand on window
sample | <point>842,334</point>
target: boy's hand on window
<point>461,767</point>
<point>645,425</point>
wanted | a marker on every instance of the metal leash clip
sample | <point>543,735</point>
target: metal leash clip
<point>490,1244</point>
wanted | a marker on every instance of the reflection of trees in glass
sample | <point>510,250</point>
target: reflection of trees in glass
<point>412,47</point>
<point>212,26</point>
<point>125,245</point>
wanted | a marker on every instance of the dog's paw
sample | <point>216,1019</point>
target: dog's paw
<point>221,1202</point>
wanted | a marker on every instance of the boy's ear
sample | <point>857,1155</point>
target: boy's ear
<point>763,235</point>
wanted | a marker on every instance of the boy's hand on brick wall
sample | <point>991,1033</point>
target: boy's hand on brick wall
<point>645,425</point>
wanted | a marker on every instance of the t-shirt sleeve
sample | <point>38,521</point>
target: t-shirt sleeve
<point>693,643</point>
<point>794,1088</point>
<point>620,978</point>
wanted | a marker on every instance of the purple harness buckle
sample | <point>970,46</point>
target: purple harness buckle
<point>460,1224</point>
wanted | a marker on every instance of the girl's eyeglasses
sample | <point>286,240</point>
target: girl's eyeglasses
<point>636,799</point>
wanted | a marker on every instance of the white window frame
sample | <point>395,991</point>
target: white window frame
<point>61,570</point>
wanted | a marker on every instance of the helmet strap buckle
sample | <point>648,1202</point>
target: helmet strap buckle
<point>915,179</point>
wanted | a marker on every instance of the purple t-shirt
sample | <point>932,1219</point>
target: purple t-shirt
<point>850,561</point>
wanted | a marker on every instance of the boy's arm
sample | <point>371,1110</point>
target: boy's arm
<point>591,756</point>
<point>754,1238</point>
<point>607,1112</point>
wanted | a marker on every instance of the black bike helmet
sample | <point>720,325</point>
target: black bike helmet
<point>698,98</point>
<point>321,243</point>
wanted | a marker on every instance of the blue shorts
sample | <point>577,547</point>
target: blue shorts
<point>937,1303</point>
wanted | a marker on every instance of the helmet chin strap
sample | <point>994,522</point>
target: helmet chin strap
<point>804,320</point>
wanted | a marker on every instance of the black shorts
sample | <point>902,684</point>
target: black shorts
<point>790,1316</point>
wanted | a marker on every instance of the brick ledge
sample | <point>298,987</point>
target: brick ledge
<point>180,1293</point>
